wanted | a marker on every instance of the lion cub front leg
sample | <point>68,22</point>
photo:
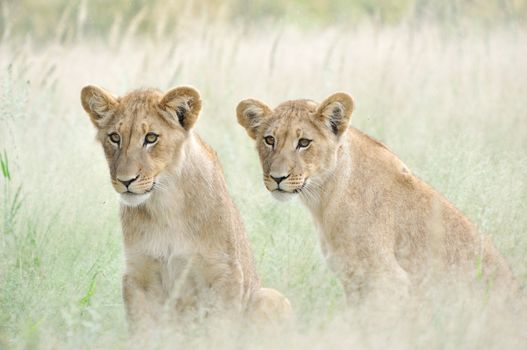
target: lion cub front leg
<point>225,276</point>
<point>142,295</point>
<point>235,293</point>
<point>377,283</point>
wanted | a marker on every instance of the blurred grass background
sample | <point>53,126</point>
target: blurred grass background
<point>442,83</point>
<point>71,19</point>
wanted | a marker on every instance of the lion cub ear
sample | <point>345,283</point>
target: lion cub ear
<point>181,105</point>
<point>98,103</point>
<point>250,114</point>
<point>335,111</point>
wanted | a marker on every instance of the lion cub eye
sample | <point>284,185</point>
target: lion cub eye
<point>114,137</point>
<point>303,143</point>
<point>269,140</point>
<point>151,138</point>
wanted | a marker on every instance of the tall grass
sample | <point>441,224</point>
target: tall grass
<point>450,103</point>
<point>72,19</point>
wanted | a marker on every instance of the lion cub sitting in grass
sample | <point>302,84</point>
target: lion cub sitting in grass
<point>184,240</point>
<point>382,230</point>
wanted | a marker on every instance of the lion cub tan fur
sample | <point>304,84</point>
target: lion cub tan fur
<point>381,229</point>
<point>184,241</point>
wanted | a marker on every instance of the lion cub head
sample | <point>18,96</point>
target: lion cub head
<point>298,141</point>
<point>141,134</point>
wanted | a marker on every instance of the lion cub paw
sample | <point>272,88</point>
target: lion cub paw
<point>269,306</point>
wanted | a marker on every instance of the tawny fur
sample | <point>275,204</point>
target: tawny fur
<point>185,245</point>
<point>382,230</point>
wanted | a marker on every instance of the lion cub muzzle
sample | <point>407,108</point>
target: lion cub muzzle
<point>128,181</point>
<point>135,185</point>
<point>134,190</point>
<point>284,187</point>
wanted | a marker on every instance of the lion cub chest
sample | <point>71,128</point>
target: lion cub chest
<point>166,259</point>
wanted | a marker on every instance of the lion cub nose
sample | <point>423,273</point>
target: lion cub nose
<point>279,178</point>
<point>128,181</point>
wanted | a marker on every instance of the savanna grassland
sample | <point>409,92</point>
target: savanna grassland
<point>446,91</point>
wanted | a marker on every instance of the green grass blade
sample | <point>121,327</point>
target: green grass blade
<point>4,164</point>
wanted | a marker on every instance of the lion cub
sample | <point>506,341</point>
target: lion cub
<point>184,241</point>
<point>382,230</point>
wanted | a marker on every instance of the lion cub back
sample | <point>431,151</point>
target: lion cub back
<point>428,230</point>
